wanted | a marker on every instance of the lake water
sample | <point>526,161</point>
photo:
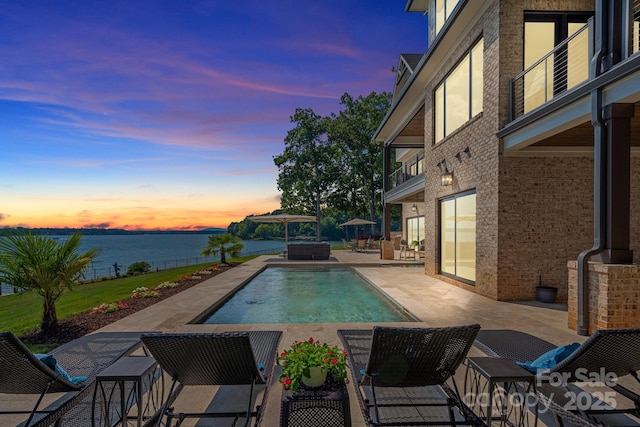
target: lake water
<point>162,251</point>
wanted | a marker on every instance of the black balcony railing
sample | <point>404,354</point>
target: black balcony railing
<point>560,70</point>
<point>409,169</point>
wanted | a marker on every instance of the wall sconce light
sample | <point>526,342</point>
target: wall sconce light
<point>414,208</point>
<point>446,178</point>
<point>467,151</point>
<point>459,157</point>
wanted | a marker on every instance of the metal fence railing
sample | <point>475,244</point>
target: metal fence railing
<point>560,70</point>
<point>409,169</point>
<point>96,273</point>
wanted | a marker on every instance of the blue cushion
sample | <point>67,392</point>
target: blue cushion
<point>47,359</point>
<point>50,361</point>
<point>550,359</point>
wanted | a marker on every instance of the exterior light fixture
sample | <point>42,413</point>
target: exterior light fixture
<point>414,208</point>
<point>446,178</point>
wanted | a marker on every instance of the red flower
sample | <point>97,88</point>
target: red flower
<point>283,354</point>
<point>325,360</point>
<point>334,361</point>
<point>311,340</point>
<point>286,382</point>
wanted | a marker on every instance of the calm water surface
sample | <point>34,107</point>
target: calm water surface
<point>162,251</point>
<point>309,295</point>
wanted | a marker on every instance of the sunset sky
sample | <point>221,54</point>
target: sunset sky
<point>167,114</point>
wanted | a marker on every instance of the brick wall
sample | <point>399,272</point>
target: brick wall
<point>533,213</point>
<point>613,296</point>
<point>546,219</point>
<point>479,171</point>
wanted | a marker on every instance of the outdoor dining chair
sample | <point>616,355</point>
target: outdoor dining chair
<point>402,374</point>
<point>222,359</point>
<point>608,362</point>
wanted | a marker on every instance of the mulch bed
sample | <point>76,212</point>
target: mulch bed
<point>85,323</point>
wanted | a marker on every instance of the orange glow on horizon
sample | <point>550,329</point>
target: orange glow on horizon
<point>152,218</point>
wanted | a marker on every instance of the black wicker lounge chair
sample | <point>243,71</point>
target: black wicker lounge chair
<point>401,374</point>
<point>23,373</point>
<point>233,359</point>
<point>606,356</point>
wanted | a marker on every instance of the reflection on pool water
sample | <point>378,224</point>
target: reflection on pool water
<point>308,295</point>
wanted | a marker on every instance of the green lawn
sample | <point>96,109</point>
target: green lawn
<point>21,313</point>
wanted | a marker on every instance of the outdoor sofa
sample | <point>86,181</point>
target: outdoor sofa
<point>308,251</point>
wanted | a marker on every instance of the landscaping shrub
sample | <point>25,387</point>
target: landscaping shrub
<point>139,267</point>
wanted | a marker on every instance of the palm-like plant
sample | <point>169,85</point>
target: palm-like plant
<point>40,264</point>
<point>223,244</point>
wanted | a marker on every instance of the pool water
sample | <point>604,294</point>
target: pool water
<point>308,295</point>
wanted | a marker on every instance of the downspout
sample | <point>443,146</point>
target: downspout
<point>599,165</point>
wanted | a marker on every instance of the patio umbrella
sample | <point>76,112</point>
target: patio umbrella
<point>283,219</point>
<point>357,222</point>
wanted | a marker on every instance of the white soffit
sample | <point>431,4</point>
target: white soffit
<point>550,125</point>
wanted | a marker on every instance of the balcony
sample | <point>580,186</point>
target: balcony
<point>568,66</point>
<point>559,71</point>
<point>410,169</point>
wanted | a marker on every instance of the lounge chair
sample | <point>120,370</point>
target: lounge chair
<point>606,355</point>
<point>23,373</point>
<point>233,358</point>
<point>401,374</point>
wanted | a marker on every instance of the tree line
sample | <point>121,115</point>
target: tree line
<point>330,168</point>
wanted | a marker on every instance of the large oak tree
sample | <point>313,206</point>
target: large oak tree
<point>333,162</point>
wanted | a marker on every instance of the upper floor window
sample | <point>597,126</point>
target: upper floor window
<point>443,10</point>
<point>459,97</point>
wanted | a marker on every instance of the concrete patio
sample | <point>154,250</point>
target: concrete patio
<point>432,301</point>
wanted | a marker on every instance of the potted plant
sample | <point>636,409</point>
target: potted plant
<point>310,362</point>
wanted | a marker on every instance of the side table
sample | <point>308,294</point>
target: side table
<point>135,381</point>
<point>517,391</point>
<point>320,406</point>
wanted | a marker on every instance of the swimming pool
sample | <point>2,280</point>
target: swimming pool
<point>307,295</point>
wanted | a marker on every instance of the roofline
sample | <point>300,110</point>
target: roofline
<point>409,5</point>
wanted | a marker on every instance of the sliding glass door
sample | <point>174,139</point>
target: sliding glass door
<point>458,236</point>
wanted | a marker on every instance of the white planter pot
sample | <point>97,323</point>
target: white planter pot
<point>318,377</point>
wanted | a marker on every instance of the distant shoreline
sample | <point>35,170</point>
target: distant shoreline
<point>110,231</point>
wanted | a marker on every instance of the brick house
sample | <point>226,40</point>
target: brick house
<point>512,145</point>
